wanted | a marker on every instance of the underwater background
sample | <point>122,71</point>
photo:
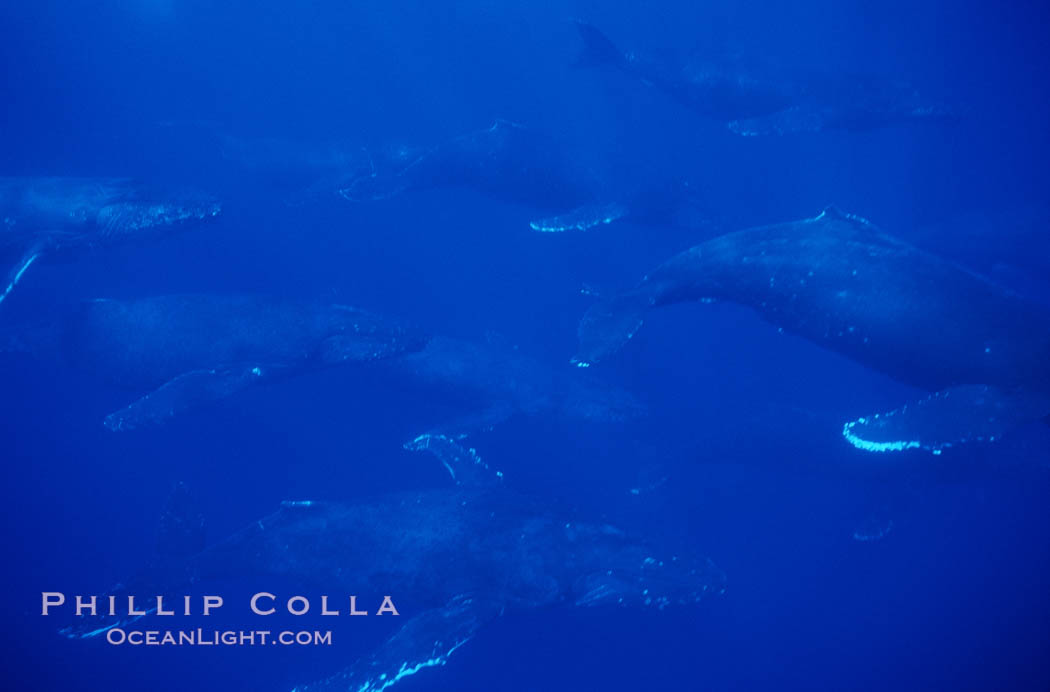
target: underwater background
<point>740,457</point>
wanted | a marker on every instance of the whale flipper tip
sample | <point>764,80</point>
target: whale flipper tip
<point>610,324</point>
<point>183,392</point>
<point>580,219</point>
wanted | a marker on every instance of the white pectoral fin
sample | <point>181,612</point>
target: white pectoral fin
<point>609,324</point>
<point>580,219</point>
<point>462,463</point>
<point>19,270</point>
<point>967,413</point>
<point>185,391</point>
<point>425,641</point>
<point>795,120</point>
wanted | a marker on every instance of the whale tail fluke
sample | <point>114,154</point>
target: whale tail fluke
<point>967,413</point>
<point>598,49</point>
<point>610,324</point>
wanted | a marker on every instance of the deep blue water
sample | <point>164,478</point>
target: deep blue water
<point>743,421</point>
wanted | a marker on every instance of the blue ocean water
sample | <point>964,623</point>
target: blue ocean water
<point>269,107</point>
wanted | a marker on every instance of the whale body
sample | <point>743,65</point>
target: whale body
<point>839,281</point>
<point>51,217</point>
<point>492,382</point>
<point>513,163</point>
<point>465,554</point>
<point>185,350</point>
<point>752,103</point>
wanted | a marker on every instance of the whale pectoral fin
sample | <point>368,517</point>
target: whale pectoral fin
<point>609,324</point>
<point>463,463</point>
<point>580,219</point>
<point>886,508</point>
<point>18,271</point>
<point>967,413</point>
<point>185,391</point>
<point>874,527</point>
<point>425,641</point>
<point>794,120</point>
<point>356,348</point>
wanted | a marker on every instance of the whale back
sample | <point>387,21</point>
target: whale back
<point>841,282</point>
<point>148,341</point>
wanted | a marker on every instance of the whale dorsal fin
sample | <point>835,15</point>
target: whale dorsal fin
<point>463,464</point>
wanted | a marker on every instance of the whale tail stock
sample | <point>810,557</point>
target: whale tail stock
<point>598,49</point>
<point>954,416</point>
<point>610,323</point>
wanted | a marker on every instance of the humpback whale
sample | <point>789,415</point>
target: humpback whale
<point>44,217</point>
<point>839,281</point>
<point>514,163</point>
<point>751,103</point>
<point>185,350</point>
<point>492,382</point>
<point>466,554</point>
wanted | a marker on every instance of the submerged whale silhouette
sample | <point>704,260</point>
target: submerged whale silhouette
<point>491,382</point>
<point>511,162</point>
<point>466,555</point>
<point>752,103</point>
<point>840,282</point>
<point>190,349</point>
<point>45,217</point>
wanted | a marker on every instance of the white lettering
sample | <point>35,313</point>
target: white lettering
<point>160,607</point>
<point>298,599</point>
<point>353,607</point>
<point>82,606</point>
<point>132,611</point>
<point>51,598</point>
<point>211,602</point>
<point>255,602</point>
<point>387,607</point>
